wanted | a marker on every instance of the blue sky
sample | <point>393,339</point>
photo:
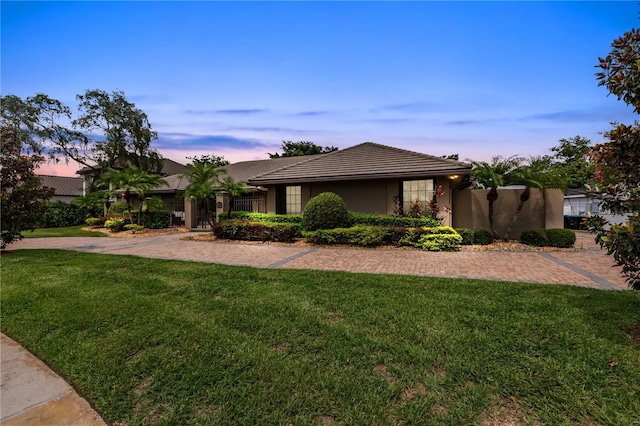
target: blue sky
<point>236,78</point>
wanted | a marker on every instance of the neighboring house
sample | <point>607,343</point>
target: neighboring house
<point>66,188</point>
<point>578,205</point>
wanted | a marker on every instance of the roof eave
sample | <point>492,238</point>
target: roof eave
<point>391,175</point>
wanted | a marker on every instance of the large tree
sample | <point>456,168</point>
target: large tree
<point>109,132</point>
<point>23,199</point>
<point>618,160</point>
<point>571,159</point>
<point>296,149</point>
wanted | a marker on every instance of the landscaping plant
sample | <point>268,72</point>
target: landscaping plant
<point>326,211</point>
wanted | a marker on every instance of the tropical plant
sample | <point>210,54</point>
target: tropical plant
<point>491,176</point>
<point>203,180</point>
<point>537,174</point>
<point>233,189</point>
<point>133,181</point>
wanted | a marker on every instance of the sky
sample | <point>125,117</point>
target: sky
<point>235,79</point>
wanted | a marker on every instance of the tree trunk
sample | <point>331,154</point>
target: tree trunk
<point>492,196</point>
<point>523,198</point>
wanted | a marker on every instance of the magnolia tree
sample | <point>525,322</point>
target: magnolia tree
<point>618,161</point>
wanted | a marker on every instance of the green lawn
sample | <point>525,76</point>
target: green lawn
<point>69,231</point>
<point>166,342</point>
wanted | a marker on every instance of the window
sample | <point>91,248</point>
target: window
<point>294,199</point>
<point>417,190</point>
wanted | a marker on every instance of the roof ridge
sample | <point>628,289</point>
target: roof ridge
<point>56,176</point>
<point>393,148</point>
<point>305,161</point>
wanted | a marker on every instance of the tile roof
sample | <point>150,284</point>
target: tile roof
<point>169,168</point>
<point>63,185</point>
<point>364,161</point>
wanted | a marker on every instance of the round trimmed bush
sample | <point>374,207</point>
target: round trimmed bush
<point>534,237</point>
<point>326,211</point>
<point>482,237</point>
<point>561,238</point>
<point>467,236</point>
<point>118,207</point>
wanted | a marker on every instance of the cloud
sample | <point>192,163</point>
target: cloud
<point>276,129</point>
<point>415,107</point>
<point>247,111</point>
<point>215,142</point>
<point>311,113</point>
<point>616,113</point>
<point>389,120</point>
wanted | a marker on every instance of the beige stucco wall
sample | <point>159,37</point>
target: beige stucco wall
<point>541,211</point>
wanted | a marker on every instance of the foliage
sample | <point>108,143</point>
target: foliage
<point>91,204</point>
<point>243,229</point>
<point>295,149</point>
<point>482,237</point>
<point>561,238</point>
<point>467,236</point>
<point>407,222</point>
<point>268,217</point>
<point>571,159</point>
<point>60,214</point>
<point>534,237</point>
<point>359,235</point>
<point>491,176</point>
<point>96,222</point>
<point>203,180</point>
<point>440,242</point>
<point>23,199</point>
<point>153,219</point>
<point>618,161</point>
<point>434,208</point>
<point>133,181</point>
<point>233,189</point>
<point>115,224</point>
<point>119,207</point>
<point>621,69</point>
<point>325,211</point>
<point>415,210</point>
<point>109,131</point>
<point>134,228</point>
<point>209,159</point>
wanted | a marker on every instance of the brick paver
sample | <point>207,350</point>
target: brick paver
<point>589,267</point>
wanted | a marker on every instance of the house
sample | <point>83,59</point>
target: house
<point>66,188</point>
<point>577,205</point>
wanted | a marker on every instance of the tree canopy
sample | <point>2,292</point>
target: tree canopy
<point>571,159</point>
<point>109,132</point>
<point>296,149</point>
<point>209,159</point>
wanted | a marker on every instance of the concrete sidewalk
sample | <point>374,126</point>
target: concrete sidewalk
<point>32,394</point>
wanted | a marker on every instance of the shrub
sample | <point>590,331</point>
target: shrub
<point>154,220</point>
<point>117,208</point>
<point>59,214</point>
<point>467,236</point>
<point>325,211</point>
<point>96,222</point>
<point>440,242</point>
<point>242,229</point>
<point>134,228</point>
<point>562,238</point>
<point>534,237</point>
<point>268,217</point>
<point>359,235</point>
<point>115,224</point>
<point>406,222</point>
<point>482,237</point>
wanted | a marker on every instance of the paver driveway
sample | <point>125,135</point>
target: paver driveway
<point>589,267</point>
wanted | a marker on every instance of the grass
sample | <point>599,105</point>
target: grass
<point>69,231</point>
<point>151,341</point>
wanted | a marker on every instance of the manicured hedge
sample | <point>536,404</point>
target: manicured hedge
<point>268,217</point>
<point>560,238</point>
<point>467,236</point>
<point>247,230</point>
<point>154,220</point>
<point>326,211</point>
<point>482,237</point>
<point>359,235</point>
<point>60,214</point>
<point>407,222</point>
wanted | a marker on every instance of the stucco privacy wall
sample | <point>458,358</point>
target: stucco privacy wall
<point>543,210</point>
<point>363,196</point>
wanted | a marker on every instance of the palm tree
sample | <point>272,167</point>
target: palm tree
<point>233,189</point>
<point>203,180</point>
<point>491,176</point>
<point>537,174</point>
<point>133,181</point>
